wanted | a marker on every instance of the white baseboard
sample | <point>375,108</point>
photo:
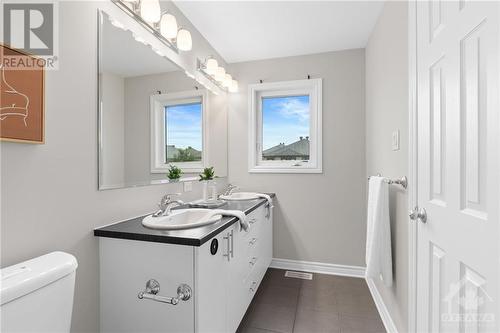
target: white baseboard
<point>318,267</point>
<point>381,307</point>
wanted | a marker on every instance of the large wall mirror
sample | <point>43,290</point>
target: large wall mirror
<point>152,115</point>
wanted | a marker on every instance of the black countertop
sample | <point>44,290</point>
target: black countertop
<point>133,228</point>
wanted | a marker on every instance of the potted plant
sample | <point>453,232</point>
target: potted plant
<point>206,176</point>
<point>174,173</point>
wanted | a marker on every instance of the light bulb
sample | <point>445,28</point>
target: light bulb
<point>184,41</point>
<point>234,86</point>
<point>220,74</point>
<point>211,66</point>
<point>150,11</point>
<point>228,81</point>
<point>168,26</point>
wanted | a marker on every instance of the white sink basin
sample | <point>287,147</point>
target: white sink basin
<point>238,196</point>
<point>182,219</point>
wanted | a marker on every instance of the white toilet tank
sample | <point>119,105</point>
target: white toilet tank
<point>37,295</point>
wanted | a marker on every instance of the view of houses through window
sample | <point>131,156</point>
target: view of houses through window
<point>183,132</point>
<point>285,128</point>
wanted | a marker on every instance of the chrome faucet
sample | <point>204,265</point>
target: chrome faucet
<point>230,189</point>
<point>166,204</point>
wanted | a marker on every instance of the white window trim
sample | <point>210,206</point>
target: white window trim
<point>312,87</point>
<point>157,107</point>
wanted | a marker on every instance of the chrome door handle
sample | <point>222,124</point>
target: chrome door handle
<point>153,288</point>
<point>418,214</point>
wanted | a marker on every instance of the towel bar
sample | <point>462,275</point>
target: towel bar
<point>403,181</point>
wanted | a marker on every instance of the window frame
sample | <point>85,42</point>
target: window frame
<point>309,87</point>
<point>158,103</point>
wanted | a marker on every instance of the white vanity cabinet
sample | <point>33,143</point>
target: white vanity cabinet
<point>223,273</point>
<point>238,267</point>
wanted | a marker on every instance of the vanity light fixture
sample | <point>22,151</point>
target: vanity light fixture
<point>168,26</point>
<point>184,40</point>
<point>132,4</point>
<point>228,81</point>
<point>217,75</point>
<point>211,66</point>
<point>150,11</point>
<point>163,25</point>
<point>220,74</point>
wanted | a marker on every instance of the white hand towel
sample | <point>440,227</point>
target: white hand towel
<point>267,197</point>
<point>378,235</point>
<point>236,213</point>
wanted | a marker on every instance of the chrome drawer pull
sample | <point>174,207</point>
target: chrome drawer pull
<point>252,241</point>
<point>253,261</point>
<point>253,286</point>
<point>252,221</point>
<point>153,288</point>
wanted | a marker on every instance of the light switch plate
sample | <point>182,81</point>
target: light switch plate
<point>395,140</point>
<point>188,186</point>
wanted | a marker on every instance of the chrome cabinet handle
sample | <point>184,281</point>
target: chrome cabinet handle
<point>252,241</point>
<point>252,221</point>
<point>153,288</point>
<point>232,243</point>
<point>228,244</point>
<point>253,286</point>
<point>253,261</point>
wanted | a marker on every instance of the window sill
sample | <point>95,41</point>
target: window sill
<point>184,169</point>
<point>266,169</point>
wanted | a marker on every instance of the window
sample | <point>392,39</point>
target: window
<point>178,131</point>
<point>183,140</point>
<point>285,127</point>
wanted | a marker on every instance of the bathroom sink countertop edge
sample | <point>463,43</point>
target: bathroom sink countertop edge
<point>133,229</point>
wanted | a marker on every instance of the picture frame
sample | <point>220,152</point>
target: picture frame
<point>22,101</point>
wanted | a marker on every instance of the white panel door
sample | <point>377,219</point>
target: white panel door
<point>458,152</point>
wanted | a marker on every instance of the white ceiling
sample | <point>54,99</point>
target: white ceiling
<point>124,56</point>
<point>252,30</point>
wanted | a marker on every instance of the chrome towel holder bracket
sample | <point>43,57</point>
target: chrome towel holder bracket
<point>403,181</point>
<point>153,287</point>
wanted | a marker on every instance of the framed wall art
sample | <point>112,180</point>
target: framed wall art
<point>22,87</point>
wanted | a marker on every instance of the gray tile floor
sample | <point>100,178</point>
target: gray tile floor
<point>325,304</point>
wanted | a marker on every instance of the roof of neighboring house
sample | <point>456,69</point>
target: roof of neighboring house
<point>297,148</point>
<point>172,151</point>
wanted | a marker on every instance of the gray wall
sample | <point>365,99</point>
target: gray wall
<point>386,111</point>
<point>49,196</point>
<point>318,217</point>
<point>138,129</point>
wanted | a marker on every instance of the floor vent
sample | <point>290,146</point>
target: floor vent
<point>299,275</point>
